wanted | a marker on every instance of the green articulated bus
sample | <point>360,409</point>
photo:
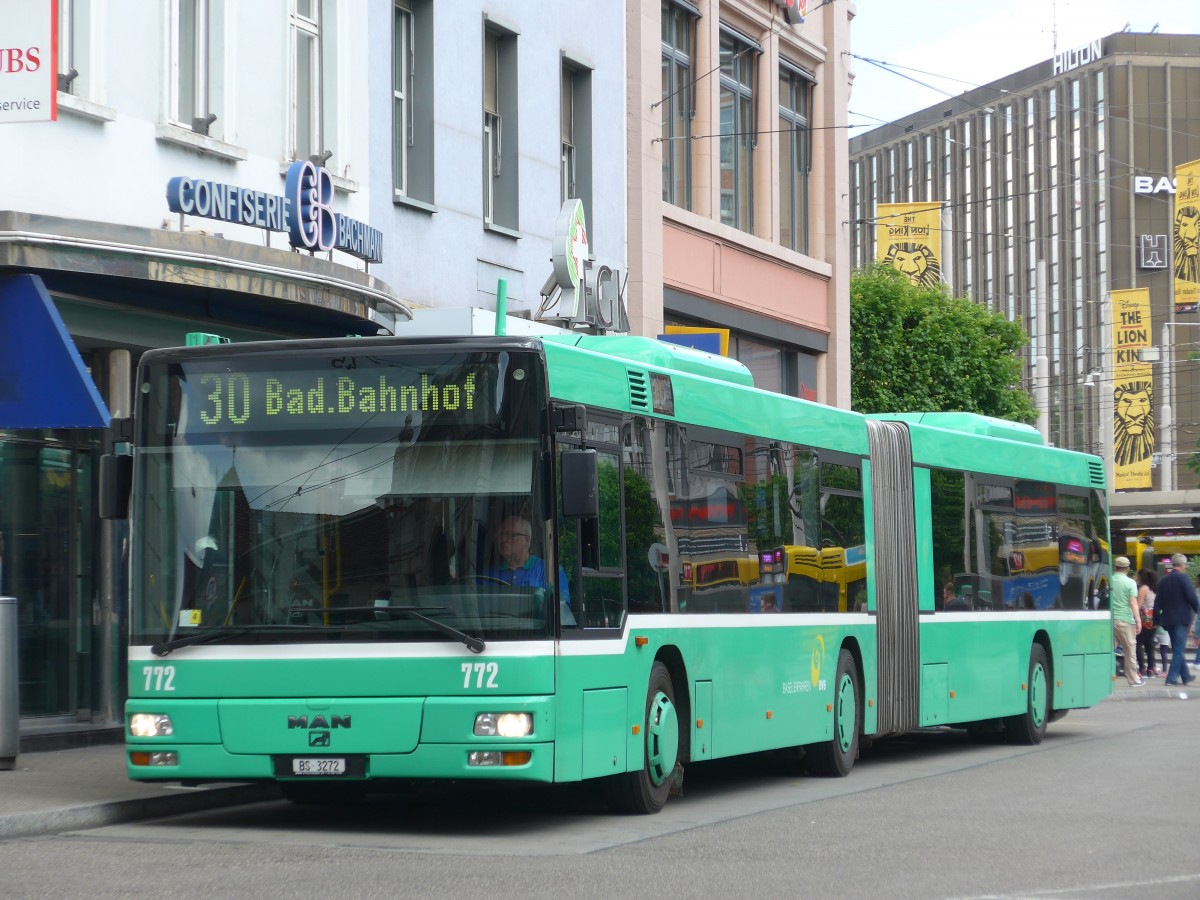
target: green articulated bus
<point>325,593</point>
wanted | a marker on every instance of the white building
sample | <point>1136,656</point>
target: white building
<point>452,133</point>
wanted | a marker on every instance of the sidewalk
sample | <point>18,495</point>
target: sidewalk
<point>62,790</point>
<point>1157,688</point>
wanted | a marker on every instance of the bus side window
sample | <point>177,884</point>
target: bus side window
<point>596,572</point>
<point>647,552</point>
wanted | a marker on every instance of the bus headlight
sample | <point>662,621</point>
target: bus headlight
<point>150,725</point>
<point>504,724</point>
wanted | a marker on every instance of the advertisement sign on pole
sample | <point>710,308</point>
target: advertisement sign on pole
<point>1185,243</point>
<point>908,237</point>
<point>1133,390</point>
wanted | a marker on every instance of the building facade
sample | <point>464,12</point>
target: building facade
<point>1057,183</point>
<point>153,207</point>
<point>738,182</point>
<point>481,119</point>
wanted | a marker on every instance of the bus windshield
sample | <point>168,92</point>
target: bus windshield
<point>329,496</point>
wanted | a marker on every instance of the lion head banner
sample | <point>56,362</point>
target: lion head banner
<point>908,237</point>
<point>1185,239</point>
<point>1133,390</point>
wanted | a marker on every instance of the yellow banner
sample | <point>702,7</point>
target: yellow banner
<point>908,237</point>
<point>1133,390</point>
<point>1185,240</point>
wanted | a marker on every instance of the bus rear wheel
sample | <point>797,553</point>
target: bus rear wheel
<point>1030,726</point>
<point>646,790</point>
<point>835,757</point>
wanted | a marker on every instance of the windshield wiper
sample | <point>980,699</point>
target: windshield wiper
<point>220,634</point>
<point>474,644</point>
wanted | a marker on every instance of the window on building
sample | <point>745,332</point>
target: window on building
<point>575,172</point>
<point>74,47</point>
<point>738,62</point>
<point>314,79</point>
<point>499,129</point>
<point>795,157</point>
<point>195,54</point>
<point>412,100</point>
<point>678,29</point>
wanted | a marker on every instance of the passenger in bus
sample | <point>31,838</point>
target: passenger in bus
<point>951,601</point>
<point>520,566</point>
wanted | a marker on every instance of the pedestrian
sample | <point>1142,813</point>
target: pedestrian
<point>1146,641</point>
<point>1126,624</point>
<point>1177,607</point>
<point>1196,627</point>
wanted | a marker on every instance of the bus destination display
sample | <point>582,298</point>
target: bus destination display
<point>329,398</point>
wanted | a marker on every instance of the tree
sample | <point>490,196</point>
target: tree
<point>916,349</point>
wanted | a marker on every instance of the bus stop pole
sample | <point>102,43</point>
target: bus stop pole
<point>10,706</point>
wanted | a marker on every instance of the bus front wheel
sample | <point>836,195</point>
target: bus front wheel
<point>835,757</point>
<point>1030,726</point>
<point>646,790</point>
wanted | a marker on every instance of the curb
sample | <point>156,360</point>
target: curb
<point>71,818</point>
<point>1159,693</point>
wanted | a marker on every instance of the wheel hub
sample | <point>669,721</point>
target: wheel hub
<point>662,738</point>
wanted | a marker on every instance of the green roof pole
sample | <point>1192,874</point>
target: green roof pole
<point>501,305</point>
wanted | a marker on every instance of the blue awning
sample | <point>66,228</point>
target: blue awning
<point>43,381</point>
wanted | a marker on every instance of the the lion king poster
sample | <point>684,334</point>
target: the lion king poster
<point>1185,238</point>
<point>908,237</point>
<point>1133,390</point>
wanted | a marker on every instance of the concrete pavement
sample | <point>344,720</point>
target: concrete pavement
<point>52,791</point>
<point>63,790</point>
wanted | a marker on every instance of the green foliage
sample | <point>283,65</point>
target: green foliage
<point>642,523</point>
<point>949,522</point>
<point>768,517</point>
<point>915,349</point>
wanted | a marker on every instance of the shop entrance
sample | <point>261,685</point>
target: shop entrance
<point>47,561</point>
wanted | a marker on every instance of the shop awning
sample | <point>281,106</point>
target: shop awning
<point>43,381</point>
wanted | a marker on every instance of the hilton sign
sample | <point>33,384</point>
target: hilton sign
<point>1079,56</point>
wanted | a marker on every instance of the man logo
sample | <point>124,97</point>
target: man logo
<point>318,727</point>
<point>332,723</point>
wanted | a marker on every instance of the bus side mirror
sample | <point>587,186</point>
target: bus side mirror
<point>116,480</point>
<point>580,484</point>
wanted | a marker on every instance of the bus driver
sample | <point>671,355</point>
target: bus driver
<point>520,567</point>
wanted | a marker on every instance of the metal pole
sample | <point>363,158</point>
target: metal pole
<point>10,698</point>
<point>113,562</point>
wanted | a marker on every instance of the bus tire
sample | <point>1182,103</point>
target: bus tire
<point>1030,726</point>
<point>646,790</point>
<point>835,758</point>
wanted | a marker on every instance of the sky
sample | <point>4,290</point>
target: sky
<point>975,42</point>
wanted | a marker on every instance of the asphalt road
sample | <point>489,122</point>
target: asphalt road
<point>1104,808</point>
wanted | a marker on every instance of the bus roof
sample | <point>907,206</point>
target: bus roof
<point>649,352</point>
<point>969,423</point>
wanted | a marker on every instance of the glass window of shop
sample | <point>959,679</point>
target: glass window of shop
<point>48,562</point>
<point>775,368</point>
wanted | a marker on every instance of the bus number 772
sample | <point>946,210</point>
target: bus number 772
<point>480,670</point>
